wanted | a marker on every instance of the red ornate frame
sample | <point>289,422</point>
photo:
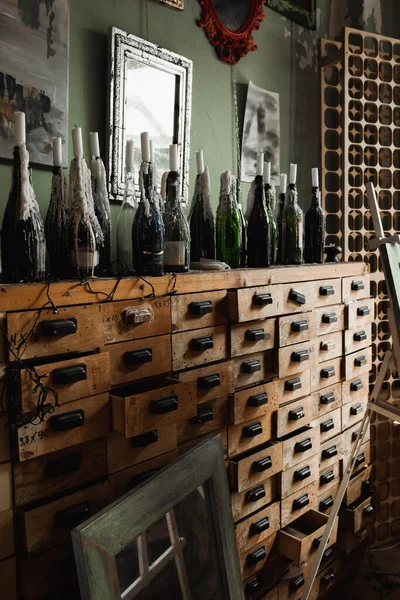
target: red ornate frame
<point>230,46</point>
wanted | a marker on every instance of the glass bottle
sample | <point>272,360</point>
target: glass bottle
<point>56,226</point>
<point>177,233</point>
<point>315,226</point>
<point>269,203</point>
<point>125,223</point>
<point>279,218</point>
<point>229,232</point>
<point>243,243</point>
<point>258,229</point>
<point>201,220</point>
<point>292,224</point>
<point>102,211</point>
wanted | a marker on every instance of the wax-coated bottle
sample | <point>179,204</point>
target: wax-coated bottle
<point>177,233</point>
<point>270,195</point>
<point>148,228</point>
<point>243,243</point>
<point>56,226</point>
<point>125,223</point>
<point>258,229</point>
<point>229,227</point>
<point>279,218</point>
<point>102,211</point>
<point>201,220</point>
<point>292,224</point>
<point>315,226</point>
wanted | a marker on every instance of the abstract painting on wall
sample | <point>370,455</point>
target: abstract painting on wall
<point>34,42</point>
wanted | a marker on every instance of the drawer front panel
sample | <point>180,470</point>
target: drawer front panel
<point>350,437</point>
<point>246,436</point>
<point>253,559</point>
<point>355,389</point>
<point>331,451</point>
<point>192,311</point>
<point>7,533</point>
<point>211,416</point>
<point>212,382</point>
<point>326,400</point>
<point>329,425</point>
<point>294,415</point>
<point>355,288</point>
<point>363,457</point>
<point>360,314</point>
<point>300,447</point>
<point>253,368</point>
<point>358,363</point>
<point>329,477</point>
<point>294,386</point>
<point>87,419</point>
<point>357,339</point>
<point>326,374</point>
<point>254,403</point>
<point>328,292</point>
<point>256,528</point>
<point>5,487</point>
<point>326,580</point>
<point>249,304</point>
<point>329,319</point>
<point>298,297</point>
<point>360,516</point>
<point>296,359</point>
<point>326,500</point>
<point>140,358</point>
<point>247,502</point>
<point>294,329</point>
<point>357,486</point>
<point>252,337</point>
<point>353,412</point>
<point>298,503</point>
<point>299,476</point>
<point>330,346</point>
<point>198,347</point>
<point>247,472</point>
<point>135,319</point>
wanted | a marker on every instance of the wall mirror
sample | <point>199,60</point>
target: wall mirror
<point>150,89</point>
<point>301,11</point>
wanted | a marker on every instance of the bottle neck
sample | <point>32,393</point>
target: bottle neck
<point>129,192</point>
<point>172,200</point>
<point>259,192</point>
<point>316,197</point>
<point>292,196</point>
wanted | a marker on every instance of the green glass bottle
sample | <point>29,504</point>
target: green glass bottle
<point>315,225</point>
<point>270,195</point>
<point>292,225</point>
<point>229,227</point>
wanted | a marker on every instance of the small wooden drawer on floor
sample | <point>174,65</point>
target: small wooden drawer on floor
<point>251,500</point>
<point>211,416</point>
<point>70,379</point>
<point>353,412</point>
<point>300,446</point>
<point>192,311</point>
<point>259,526</point>
<point>72,329</point>
<point>294,329</point>
<point>248,435</point>
<point>329,424</point>
<point>123,452</point>
<point>294,415</point>
<point>357,339</point>
<point>254,558</point>
<point>152,404</point>
<point>328,292</point>
<point>5,487</point>
<point>329,319</point>
<point>355,389</point>
<point>138,359</point>
<point>135,319</point>
<point>298,297</point>
<point>355,288</point>
<point>326,400</point>
<point>250,304</point>
<point>253,368</point>
<point>298,503</point>
<point>330,345</point>
<point>299,476</point>
<point>360,314</point>
<point>57,472</point>
<point>253,468</point>
<point>68,425</point>
<point>329,477</point>
<point>358,515</point>
<point>256,336</point>
<point>326,499</point>
<point>8,578</point>
<point>297,358</point>
<point>325,580</point>
<point>358,363</point>
<point>212,382</point>
<point>6,533</point>
<point>4,440</point>
<point>50,524</point>
<point>254,403</point>
<point>358,486</point>
<point>294,386</point>
<point>198,347</point>
<point>350,437</point>
<point>331,451</point>
<point>326,374</point>
<point>300,540</point>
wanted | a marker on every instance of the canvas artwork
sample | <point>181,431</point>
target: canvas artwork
<point>34,40</point>
<point>261,132</point>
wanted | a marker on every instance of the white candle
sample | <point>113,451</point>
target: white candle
<point>19,128</point>
<point>260,163</point>
<point>267,172</point>
<point>77,142</point>
<point>200,162</point>
<point>129,154</point>
<point>94,144</point>
<point>57,152</point>
<point>283,183</point>
<point>151,151</point>
<point>173,157</point>
<point>293,174</point>
<point>145,144</point>
<point>315,178</point>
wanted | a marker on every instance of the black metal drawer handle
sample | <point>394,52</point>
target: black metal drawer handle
<point>360,459</point>
<point>138,357</point>
<point>68,420</point>
<point>327,477</point>
<point>262,464</point>
<point>327,554</point>
<point>356,386</point>
<point>356,286</point>
<point>327,398</point>
<point>201,308</point>
<point>360,336</point>
<point>58,327</point>
<point>164,405</point>
<point>301,502</point>
<point>363,311</point>
<point>328,578</point>
<point>257,400</point>
<point>251,366</point>
<point>328,372</point>
<point>360,361</point>
<point>252,430</point>
<point>297,583</point>
<point>209,381</point>
<point>141,477</point>
<point>254,335</point>
<point>204,415</point>
<point>325,504</point>
<point>317,542</point>
<point>356,409</point>
<point>327,425</point>
<point>67,375</point>
<point>145,439</point>
<point>262,299</point>
<point>63,466</point>
<point>329,318</point>
<point>326,290</point>
<point>259,526</point>
<point>254,585</point>
<point>303,446</point>
<point>366,488</point>
<point>291,385</point>
<point>329,452</point>
<point>202,343</point>
<point>257,556</point>
<point>255,494</point>
<point>296,414</point>
<point>298,326</point>
<point>299,356</point>
<point>302,474</point>
<point>354,435</point>
<point>297,297</point>
<point>73,516</point>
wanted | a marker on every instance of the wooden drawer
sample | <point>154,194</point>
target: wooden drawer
<point>328,292</point>
<point>57,472</point>
<point>135,319</point>
<point>152,404</point>
<point>254,558</point>
<point>198,347</point>
<point>355,389</point>
<point>72,329</point>
<point>329,319</point>
<point>358,363</point>
<point>247,502</point>
<point>6,533</point>
<point>331,451</point>
<point>212,382</point>
<point>326,374</point>
<point>329,477</point>
<point>294,415</point>
<point>358,485</point>
<point>358,515</point>
<point>211,416</point>
<point>299,476</point>
<point>326,400</point>
<point>139,359</point>
<point>294,329</point>
<point>4,440</point>
<point>363,457</point>
<point>300,447</point>
<point>329,425</point>
<point>357,339</point>
<point>253,468</point>
<point>254,403</point>
<point>297,358</point>
<point>360,314</point>
<point>256,336</point>
<point>123,453</point>
<point>353,412</point>
<point>350,437</point>
<point>249,304</point>
<point>192,311</point>
<point>298,297</point>
<point>298,503</point>
<point>325,580</point>
<point>299,541</point>
<point>326,499</point>
<point>355,288</point>
<point>70,379</point>
<point>291,586</point>
<point>85,420</point>
<point>253,368</point>
<point>294,386</point>
<point>8,578</point>
<point>255,529</point>
<point>245,436</point>
<point>5,487</point>
<point>51,524</point>
<point>330,345</point>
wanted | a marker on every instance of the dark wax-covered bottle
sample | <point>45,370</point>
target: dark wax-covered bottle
<point>177,233</point>
<point>201,220</point>
<point>229,233</point>
<point>315,226</point>
<point>102,211</point>
<point>279,218</point>
<point>243,245</point>
<point>292,226</point>
<point>258,229</point>
<point>56,226</point>
<point>270,195</point>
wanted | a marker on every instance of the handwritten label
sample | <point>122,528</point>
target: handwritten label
<point>34,437</point>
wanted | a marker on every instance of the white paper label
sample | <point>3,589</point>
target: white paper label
<point>86,258</point>
<point>174,254</point>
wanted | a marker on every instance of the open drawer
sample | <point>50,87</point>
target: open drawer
<point>358,515</point>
